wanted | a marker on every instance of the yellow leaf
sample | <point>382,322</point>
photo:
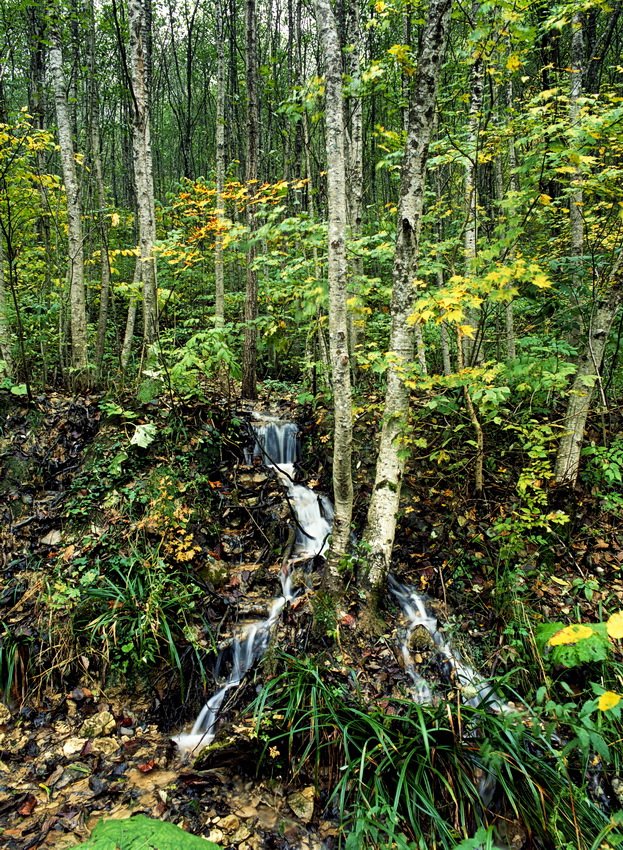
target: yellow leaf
<point>570,634</point>
<point>615,626</point>
<point>608,700</point>
<point>513,63</point>
<point>115,219</point>
<point>545,199</point>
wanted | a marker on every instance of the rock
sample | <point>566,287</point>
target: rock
<point>102,723</point>
<point>53,538</point>
<point>302,803</point>
<point>241,834</point>
<point>215,835</point>
<point>105,746</point>
<point>230,823</point>
<point>126,732</point>
<point>5,714</point>
<point>73,746</point>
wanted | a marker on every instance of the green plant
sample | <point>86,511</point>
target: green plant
<point>15,648</point>
<point>143,833</point>
<point>413,776</point>
<point>604,472</point>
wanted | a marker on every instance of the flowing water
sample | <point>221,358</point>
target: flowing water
<point>475,689</point>
<point>277,446</point>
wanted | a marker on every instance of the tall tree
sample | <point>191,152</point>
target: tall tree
<point>249,356</point>
<point>77,295</point>
<point>139,16</point>
<point>383,510</point>
<point>219,300</point>
<point>338,278</point>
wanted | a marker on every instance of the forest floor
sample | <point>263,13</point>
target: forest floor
<point>73,749</point>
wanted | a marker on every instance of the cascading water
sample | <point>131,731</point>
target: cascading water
<point>476,690</point>
<point>277,446</point>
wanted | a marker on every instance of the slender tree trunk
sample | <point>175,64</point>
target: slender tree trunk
<point>587,376</point>
<point>77,296</point>
<point>354,167</point>
<point>383,510</point>
<point>338,291</point>
<point>575,201</point>
<point>219,274</point>
<point>6,367</point>
<point>139,13</point>
<point>511,348</point>
<point>100,192</point>
<point>128,336</point>
<point>472,346</point>
<point>249,354</point>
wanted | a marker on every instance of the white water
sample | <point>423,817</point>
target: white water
<point>475,689</point>
<point>277,445</point>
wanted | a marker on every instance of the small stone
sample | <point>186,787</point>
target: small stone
<point>302,803</point>
<point>102,723</point>
<point>229,823</point>
<point>105,746</point>
<point>73,746</point>
<point>241,834</point>
<point>215,835</point>
<point>126,732</point>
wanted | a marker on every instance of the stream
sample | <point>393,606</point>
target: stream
<point>276,445</point>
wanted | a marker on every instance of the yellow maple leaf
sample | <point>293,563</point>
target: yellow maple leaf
<point>608,700</point>
<point>570,634</point>
<point>615,626</point>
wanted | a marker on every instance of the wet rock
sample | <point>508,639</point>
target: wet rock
<point>73,746</point>
<point>102,723</point>
<point>302,803</point>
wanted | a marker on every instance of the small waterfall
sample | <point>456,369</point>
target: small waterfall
<point>475,689</point>
<point>276,446</point>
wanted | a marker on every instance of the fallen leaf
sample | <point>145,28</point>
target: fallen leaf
<point>28,806</point>
<point>615,625</point>
<point>147,766</point>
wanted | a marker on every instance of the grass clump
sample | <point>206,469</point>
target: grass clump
<point>413,777</point>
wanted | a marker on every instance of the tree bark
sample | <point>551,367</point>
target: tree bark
<point>382,513</point>
<point>6,367</point>
<point>139,16</point>
<point>77,295</point>
<point>219,274</point>
<point>587,376</point>
<point>338,289</point>
<point>249,354</point>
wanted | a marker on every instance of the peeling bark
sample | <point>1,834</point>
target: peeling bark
<point>338,292</point>
<point>382,513</point>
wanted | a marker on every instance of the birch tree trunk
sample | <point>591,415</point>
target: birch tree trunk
<point>587,376</point>
<point>575,201</point>
<point>472,346</point>
<point>138,18</point>
<point>100,192</point>
<point>77,296</point>
<point>249,353</point>
<point>6,367</point>
<point>354,166</point>
<point>338,292</point>
<point>219,274</point>
<point>382,513</point>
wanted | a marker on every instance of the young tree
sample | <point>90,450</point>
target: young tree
<point>77,295</point>
<point>219,299</point>
<point>338,274</point>
<point>139,16</point>
<point>383,510</point>
<point>249,356</point>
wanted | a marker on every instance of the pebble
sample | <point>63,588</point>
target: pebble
<point>100,724</point>
<point>73,746</point>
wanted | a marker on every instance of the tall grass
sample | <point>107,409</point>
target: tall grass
<point>408,776</point>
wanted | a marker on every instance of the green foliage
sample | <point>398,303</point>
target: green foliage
<point>590,649</point>
<point>604,471</point>
<point>405,768</point>
<point>143,833</point>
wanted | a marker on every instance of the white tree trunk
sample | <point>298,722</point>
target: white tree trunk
<point>219,274</point>
<point>128,336</point>
<point>575,201</point>
<point>77,296</point>
<point>338,293</point>
<point>588,374</point>
<point>143,166</point>
<point>6,367</point>
<point>382,513</point>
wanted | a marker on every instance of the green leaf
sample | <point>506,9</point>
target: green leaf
<point>143,833</point>
<point>19,389</point>
<point>144,435</point>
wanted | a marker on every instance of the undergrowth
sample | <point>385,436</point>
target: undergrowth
<point>408,776</point>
